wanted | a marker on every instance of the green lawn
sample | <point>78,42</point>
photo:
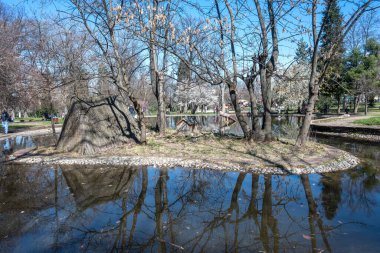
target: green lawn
<point>35,120</point>
<point>28,119</point>
<point>373,121</point>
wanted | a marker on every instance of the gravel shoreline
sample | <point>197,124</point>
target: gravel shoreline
<point>343,162</point>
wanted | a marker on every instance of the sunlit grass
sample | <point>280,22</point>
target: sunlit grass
<point>373,121</point>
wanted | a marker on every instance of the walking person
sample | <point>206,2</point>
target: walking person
<point>5,121</point>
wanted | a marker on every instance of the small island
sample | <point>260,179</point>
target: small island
<point>207,151</point>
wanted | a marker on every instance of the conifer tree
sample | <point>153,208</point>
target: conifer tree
<point>332,84</point>
<point>302,52</point>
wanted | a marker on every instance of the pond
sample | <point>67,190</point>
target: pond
<point>147,209</point>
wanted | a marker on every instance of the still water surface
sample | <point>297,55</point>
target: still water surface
<point>135,209</point>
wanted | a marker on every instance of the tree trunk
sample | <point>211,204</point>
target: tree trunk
<point>365,104</point>
<point>338,99</point>
<point>194,108</point>
<point>313,84</point>
<point>221,106</point>
<point>243,123</point>
<point>267,102</point>
<point>344,103</point>
<point>356,103</point>
<point>313,95</point>
<point>300,103</point>
<point>302,136</point>
<point>155,77</point>
<point>266,68</point>
<point>256,129</point>
<point>53,125</point>
<point>221,99</point>
<point>233,83</point>
<point>161,113</point>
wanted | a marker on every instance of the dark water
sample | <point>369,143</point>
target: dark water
<point>89,209</point>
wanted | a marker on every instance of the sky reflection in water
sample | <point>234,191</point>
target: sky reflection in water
<point>147,209</point>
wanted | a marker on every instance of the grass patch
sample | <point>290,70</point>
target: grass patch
<point>28,119</point>
<point>36,120</point>
<point>373,121</point>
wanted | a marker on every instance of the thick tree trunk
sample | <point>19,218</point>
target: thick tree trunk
<point>93,126</point>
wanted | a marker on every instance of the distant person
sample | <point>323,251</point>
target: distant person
<point>46,116</point>
<point>346,110</point>
<point>5,121</point>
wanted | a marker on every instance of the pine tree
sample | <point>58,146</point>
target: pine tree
<point>332,35</point>
<point>302,52</point>
<point>362,70</point>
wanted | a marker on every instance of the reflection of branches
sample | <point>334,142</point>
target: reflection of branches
<point>159,188</point>
<point>140,201</point>
<point>267,219</point>
<point>359,196</point>
<point>192,211</point>
<point>313,215</point>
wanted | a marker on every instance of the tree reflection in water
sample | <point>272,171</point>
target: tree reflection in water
<point>177,210</point>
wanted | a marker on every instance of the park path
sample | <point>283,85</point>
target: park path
<point>343,121</point>
<point>31,132</point>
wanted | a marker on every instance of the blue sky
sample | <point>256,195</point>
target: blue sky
<point>287,47</point>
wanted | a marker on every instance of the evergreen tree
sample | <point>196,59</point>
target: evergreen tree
<point>332,34</point>
<point>362,68</point>
<point>302,52</point>
<point>332,27</point>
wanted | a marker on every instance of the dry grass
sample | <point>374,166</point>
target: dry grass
<point>225,151</point>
